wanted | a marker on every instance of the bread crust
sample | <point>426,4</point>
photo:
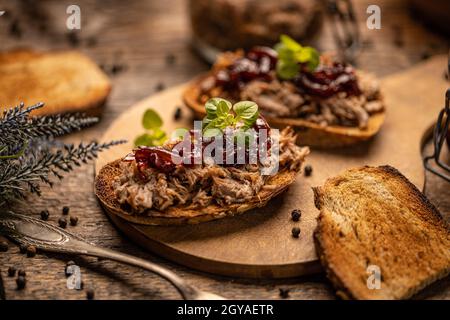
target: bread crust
<point>311,133</point>
<point>342,273</point>
<point>66,81</point>
<point>178,215</point>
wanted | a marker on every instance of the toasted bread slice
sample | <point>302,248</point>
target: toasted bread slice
<point>184,214</point>
<point>312,134</point>
<point>65,81</point>
<point>375,216</point>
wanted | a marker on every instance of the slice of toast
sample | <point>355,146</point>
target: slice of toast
<point>178,215</point>
<point>373,216</point>
<point>312,134</point>
<point>66,81</point>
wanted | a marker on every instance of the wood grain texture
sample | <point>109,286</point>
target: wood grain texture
<point>138,35</point>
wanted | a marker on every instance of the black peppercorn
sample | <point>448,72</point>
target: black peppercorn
<point>308,170</point>
<point>21,282</point>
<point>62,222</point>
<point>11,272</point>
<point>44,215</point>
<point>284,293</point>
<point>295,232</point>
<point>73,221</point>
<point>31,251</point>
<point>160,86</point>
<point>23,248</point>
<point>177,114</point>
<point>65,210</point>
<point>90,294</point>
<point>296,214</point>
<point>22,273</point>
<point>3,246</point>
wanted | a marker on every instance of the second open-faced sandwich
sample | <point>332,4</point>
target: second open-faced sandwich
<point>329,101</point>
<point>231,162</point>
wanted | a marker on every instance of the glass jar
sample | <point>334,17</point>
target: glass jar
<point>220,25</point>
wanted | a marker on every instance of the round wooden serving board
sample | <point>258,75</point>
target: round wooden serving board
<point>259,244</point>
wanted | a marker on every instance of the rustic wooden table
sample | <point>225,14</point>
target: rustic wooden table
<point>134,41</point>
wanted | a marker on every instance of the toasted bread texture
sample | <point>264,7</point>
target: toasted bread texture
<point>178,215</point>
<point>373,216</point>
<point>66,81</point>
<point>311,133</point>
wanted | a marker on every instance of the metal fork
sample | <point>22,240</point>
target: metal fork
<point>26,230</point>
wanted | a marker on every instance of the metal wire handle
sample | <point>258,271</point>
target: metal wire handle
<point>439,137</point>
<point>344,28</point>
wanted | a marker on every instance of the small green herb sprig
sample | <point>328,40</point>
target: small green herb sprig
<point>291,54</point>
<point>154,135</point>
<point>219,115</point>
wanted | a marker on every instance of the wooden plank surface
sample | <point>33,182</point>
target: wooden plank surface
<point>138,35</point>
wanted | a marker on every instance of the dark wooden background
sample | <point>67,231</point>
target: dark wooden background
<point>132,40</point>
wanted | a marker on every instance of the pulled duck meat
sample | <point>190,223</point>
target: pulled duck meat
<point>202,184</point>
<point>333,94</point>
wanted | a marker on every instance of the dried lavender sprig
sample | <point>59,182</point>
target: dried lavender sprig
<point>18,176</point>
<point>17,126</point>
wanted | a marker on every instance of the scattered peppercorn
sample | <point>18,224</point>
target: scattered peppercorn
<point>284,293</point>
<point>296,214</point>
<point>65,210</point>
<point>308,170</point>
<point>117,68</point>
<point>31,251</point>
<point>295,232</point>
<point>160,86</point>
<point>11,272</point>
<point>425,55</point>
<point>73,221</point>
<point>23,248</point>
<point>22,273</point>
<point>178,113</point>
<point>44,215</point>
<point>90,294</point>
<point>21,282</point>
<point>62,222</point>
<point>4,246</point>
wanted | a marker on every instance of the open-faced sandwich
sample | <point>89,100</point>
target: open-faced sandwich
<point>330,102</point>
<point>231,162</point>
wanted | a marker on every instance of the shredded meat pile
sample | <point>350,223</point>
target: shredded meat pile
<point>201,185</point>
<point>283,99</point>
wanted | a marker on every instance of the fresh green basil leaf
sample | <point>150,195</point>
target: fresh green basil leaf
<point>158,134</point>
<point>310,56</point>
<point>143,140</point>
<point>210,133</point>
<point>287,69</point>
<point>290,43</point>
<point>151,119</point>
<point>245,109</point>
<point>212,106</point>
<point>223,108</point>
<point>314,60</point>
<point>179,133</point>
